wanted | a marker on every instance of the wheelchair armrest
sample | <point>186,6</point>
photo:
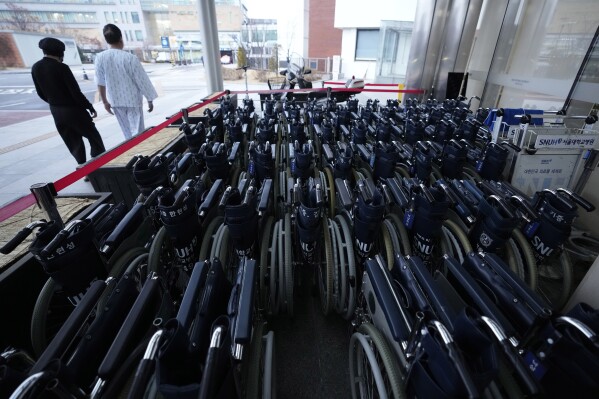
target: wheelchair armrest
<point>273,151</point>
<point>132,220</point>
<point>344,130</point>
<point>189,303</point>
<point>72,325</point>
<point>371,130</point>
<point>478,297</point>
<point>185,162</point>
<point>291,151</point>
<point>388,300</point>
<point>328,153</point>
<point>516,283</point>
<point>364,153</point>
<point>137,322</point>
<point>512,306</point>
<point>211,198</point>
<point>354,116</point>
<point>234,151</point>
<point>396,131</point>
<point>344,193</point>
<point>265,197</point>
<point>243,321</point>
<point>317,130</point>
<point>399,196</point>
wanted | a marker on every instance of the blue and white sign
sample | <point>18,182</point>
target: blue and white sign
<point>567,141</point>
<point>165,42</point>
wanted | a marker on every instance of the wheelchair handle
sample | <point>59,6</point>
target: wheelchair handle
<point>581,327</point>
<point>456,358</point>
<point>146,367</point>
<point>133,161</point>
<point>153,196</point>
<point>512,146</point>
<point>523,205</point>
<point>586,205</point>
<point>225,198</point>
<point>59,238</point>
<point>514,358</point>
<point>560,198</point>
<point>20,237</point>
<point>502,205</point>
<point>158,158</point>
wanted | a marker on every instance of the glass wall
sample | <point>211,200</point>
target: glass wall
<point>537,54</point>
<point>394,50</point>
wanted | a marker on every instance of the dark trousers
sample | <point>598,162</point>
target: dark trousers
<point>74,123</point>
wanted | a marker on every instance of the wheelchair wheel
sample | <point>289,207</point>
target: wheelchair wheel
<point>387,246</point>
<point>402,172</point>
<point>265,244</point>
<point>209,237</point>
<point>330,182</point>
<point>368,357</point>
<point>456,240</point>
<point>225,252</point>
<point>286,260</point>
<point>402,233</point>
<point>514,260</point>
<point>392,370</point>
<point>349,301</point>
<point>51,310</point>
<point>435,174</point>
<point>160,252</point>
<point>555,279</point>
<point>470,173</point>
<point>339,274</point>
<point>366,173</point>
<point>528,257</point>
<point>274,285</point>
<point>269,381</point>
<point>53,307</point>
<point>325,270</point>
<point>252,363</point>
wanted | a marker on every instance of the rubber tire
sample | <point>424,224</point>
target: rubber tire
<point>207,239</point>
<point>326,276</point>
<point>264,247</point>
<point>289,267</point>
<point>252,364</point>
<point>530,262</point>
<point>388,357</point>
<point>332,193</point>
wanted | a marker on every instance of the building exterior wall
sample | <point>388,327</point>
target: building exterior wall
<point>10,57</point>
<point>27,43</point>
<point>351,15</point>
<point>84,21</point>
<point>324,39</point>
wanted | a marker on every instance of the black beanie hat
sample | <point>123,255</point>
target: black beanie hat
<point>52,46</point>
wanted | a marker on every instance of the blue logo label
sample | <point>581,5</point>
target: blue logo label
<point>535,365</point>
<point>531,228</point>
<point>479,165</point>
<point>251,168</point>
<point>408,219</point>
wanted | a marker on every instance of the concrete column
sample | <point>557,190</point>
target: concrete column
<point>211,47</point>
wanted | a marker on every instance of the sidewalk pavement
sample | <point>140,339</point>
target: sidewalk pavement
<point>32,152</point>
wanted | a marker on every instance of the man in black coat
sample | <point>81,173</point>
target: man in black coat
<point>56,85</point>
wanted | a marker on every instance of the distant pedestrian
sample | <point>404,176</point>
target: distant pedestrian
<point>122,83</point>
<point>56,85</point>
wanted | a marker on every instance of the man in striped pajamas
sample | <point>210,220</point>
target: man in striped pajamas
<point>122,83</point>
